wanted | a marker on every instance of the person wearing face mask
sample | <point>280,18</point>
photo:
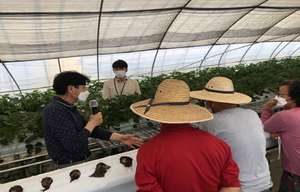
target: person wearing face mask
<point>240,128</point>
<point>279,101</point>
<point>286,125</point>
<point>120,84</point>
<point>66,131</point>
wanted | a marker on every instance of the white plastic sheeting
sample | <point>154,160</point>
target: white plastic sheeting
<point>41,38</point>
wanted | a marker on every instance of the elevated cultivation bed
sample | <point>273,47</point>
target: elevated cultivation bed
<point>117,178</point>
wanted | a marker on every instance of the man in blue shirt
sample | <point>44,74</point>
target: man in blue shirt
<point>66,131</point>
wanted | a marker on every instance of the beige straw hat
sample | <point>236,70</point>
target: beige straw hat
<point>171,105</point>
<point>220,89</point>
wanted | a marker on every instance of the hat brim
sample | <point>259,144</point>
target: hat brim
<point>235,98</point>
<point>172,113</point>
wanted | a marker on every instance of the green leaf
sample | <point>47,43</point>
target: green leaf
<point>29,146</point>
<point>117,128</point>
<point>136,120</point>
<point>29,151</point>
<point>9,137</point>
<point>30,139</point>
<point>37,150</point>
<point>38,144</point>
<point>21,115</point>
<point>150,125</point>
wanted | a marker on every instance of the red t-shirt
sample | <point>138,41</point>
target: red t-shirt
<point>183,158</point>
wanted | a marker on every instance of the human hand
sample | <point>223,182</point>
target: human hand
<point>270,103</point>
<point>131,141</point>
<point>274,135</point>
<point>96,119</point>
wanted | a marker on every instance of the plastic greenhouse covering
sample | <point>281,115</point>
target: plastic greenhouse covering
<point>38,39</point>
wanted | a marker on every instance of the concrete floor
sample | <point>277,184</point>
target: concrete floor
<point>275,168</point>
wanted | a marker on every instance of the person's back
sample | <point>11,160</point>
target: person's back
<point>183,158</point>
<point>242,130</point>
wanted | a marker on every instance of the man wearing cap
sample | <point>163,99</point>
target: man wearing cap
<point>181,157</point>
<point>240,128</point>
<point>120,85</point>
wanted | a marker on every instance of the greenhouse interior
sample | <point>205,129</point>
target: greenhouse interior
<point>254,43</point>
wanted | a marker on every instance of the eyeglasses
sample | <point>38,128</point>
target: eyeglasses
<point>83,86</point>
<point>281,94</point>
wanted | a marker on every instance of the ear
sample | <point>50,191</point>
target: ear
<point>292,100</point>
<point>126,70</point>
<point>208,104</point>
<point>70,89</point>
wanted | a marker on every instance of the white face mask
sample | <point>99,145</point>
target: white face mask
<point>120,74</point>
<point>281,101</point>
<point>83,96</point>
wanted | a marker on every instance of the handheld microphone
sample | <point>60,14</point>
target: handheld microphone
<point>94,105</point>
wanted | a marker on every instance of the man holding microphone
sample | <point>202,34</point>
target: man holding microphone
<point>66,131</point>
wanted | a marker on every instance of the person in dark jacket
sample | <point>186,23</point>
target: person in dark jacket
<point>66,131</point>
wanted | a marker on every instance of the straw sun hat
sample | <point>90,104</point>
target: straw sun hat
<point>171,105</point>
<point>220,89</point>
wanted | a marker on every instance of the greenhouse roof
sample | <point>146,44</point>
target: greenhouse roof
<point>38,39</point>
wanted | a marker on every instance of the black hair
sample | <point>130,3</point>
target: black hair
<point>64,79</point>
<point>287,82</point>
<point>120,64</point>
<point>294,91</point>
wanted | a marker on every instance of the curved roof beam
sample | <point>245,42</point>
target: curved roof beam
<point>275,50</point>
<point>59,65</point>
<point>158,48</point>
<point>11,76</point>
<point>226,31</point>
<point>98,34</point>
<point>212,57</point>
<point>286,45</point>
<point>294,51</point>
<point>204,58</point>
<point>225,51</point>
<point>263,34</point>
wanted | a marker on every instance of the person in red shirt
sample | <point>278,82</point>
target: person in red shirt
<point>181,157</point>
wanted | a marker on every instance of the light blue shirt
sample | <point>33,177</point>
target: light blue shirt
<point>243,131</point>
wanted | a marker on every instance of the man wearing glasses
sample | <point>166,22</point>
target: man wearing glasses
<point>65,130</point>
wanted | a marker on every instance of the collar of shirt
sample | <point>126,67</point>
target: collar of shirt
<point>166,126</point>
<point>118,80</point>
<point>64,103</point>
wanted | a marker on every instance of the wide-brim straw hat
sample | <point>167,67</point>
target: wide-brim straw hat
<point>171,105</point>
<point>221,89</point>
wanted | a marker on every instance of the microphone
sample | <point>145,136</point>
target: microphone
<point>94,105</point>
